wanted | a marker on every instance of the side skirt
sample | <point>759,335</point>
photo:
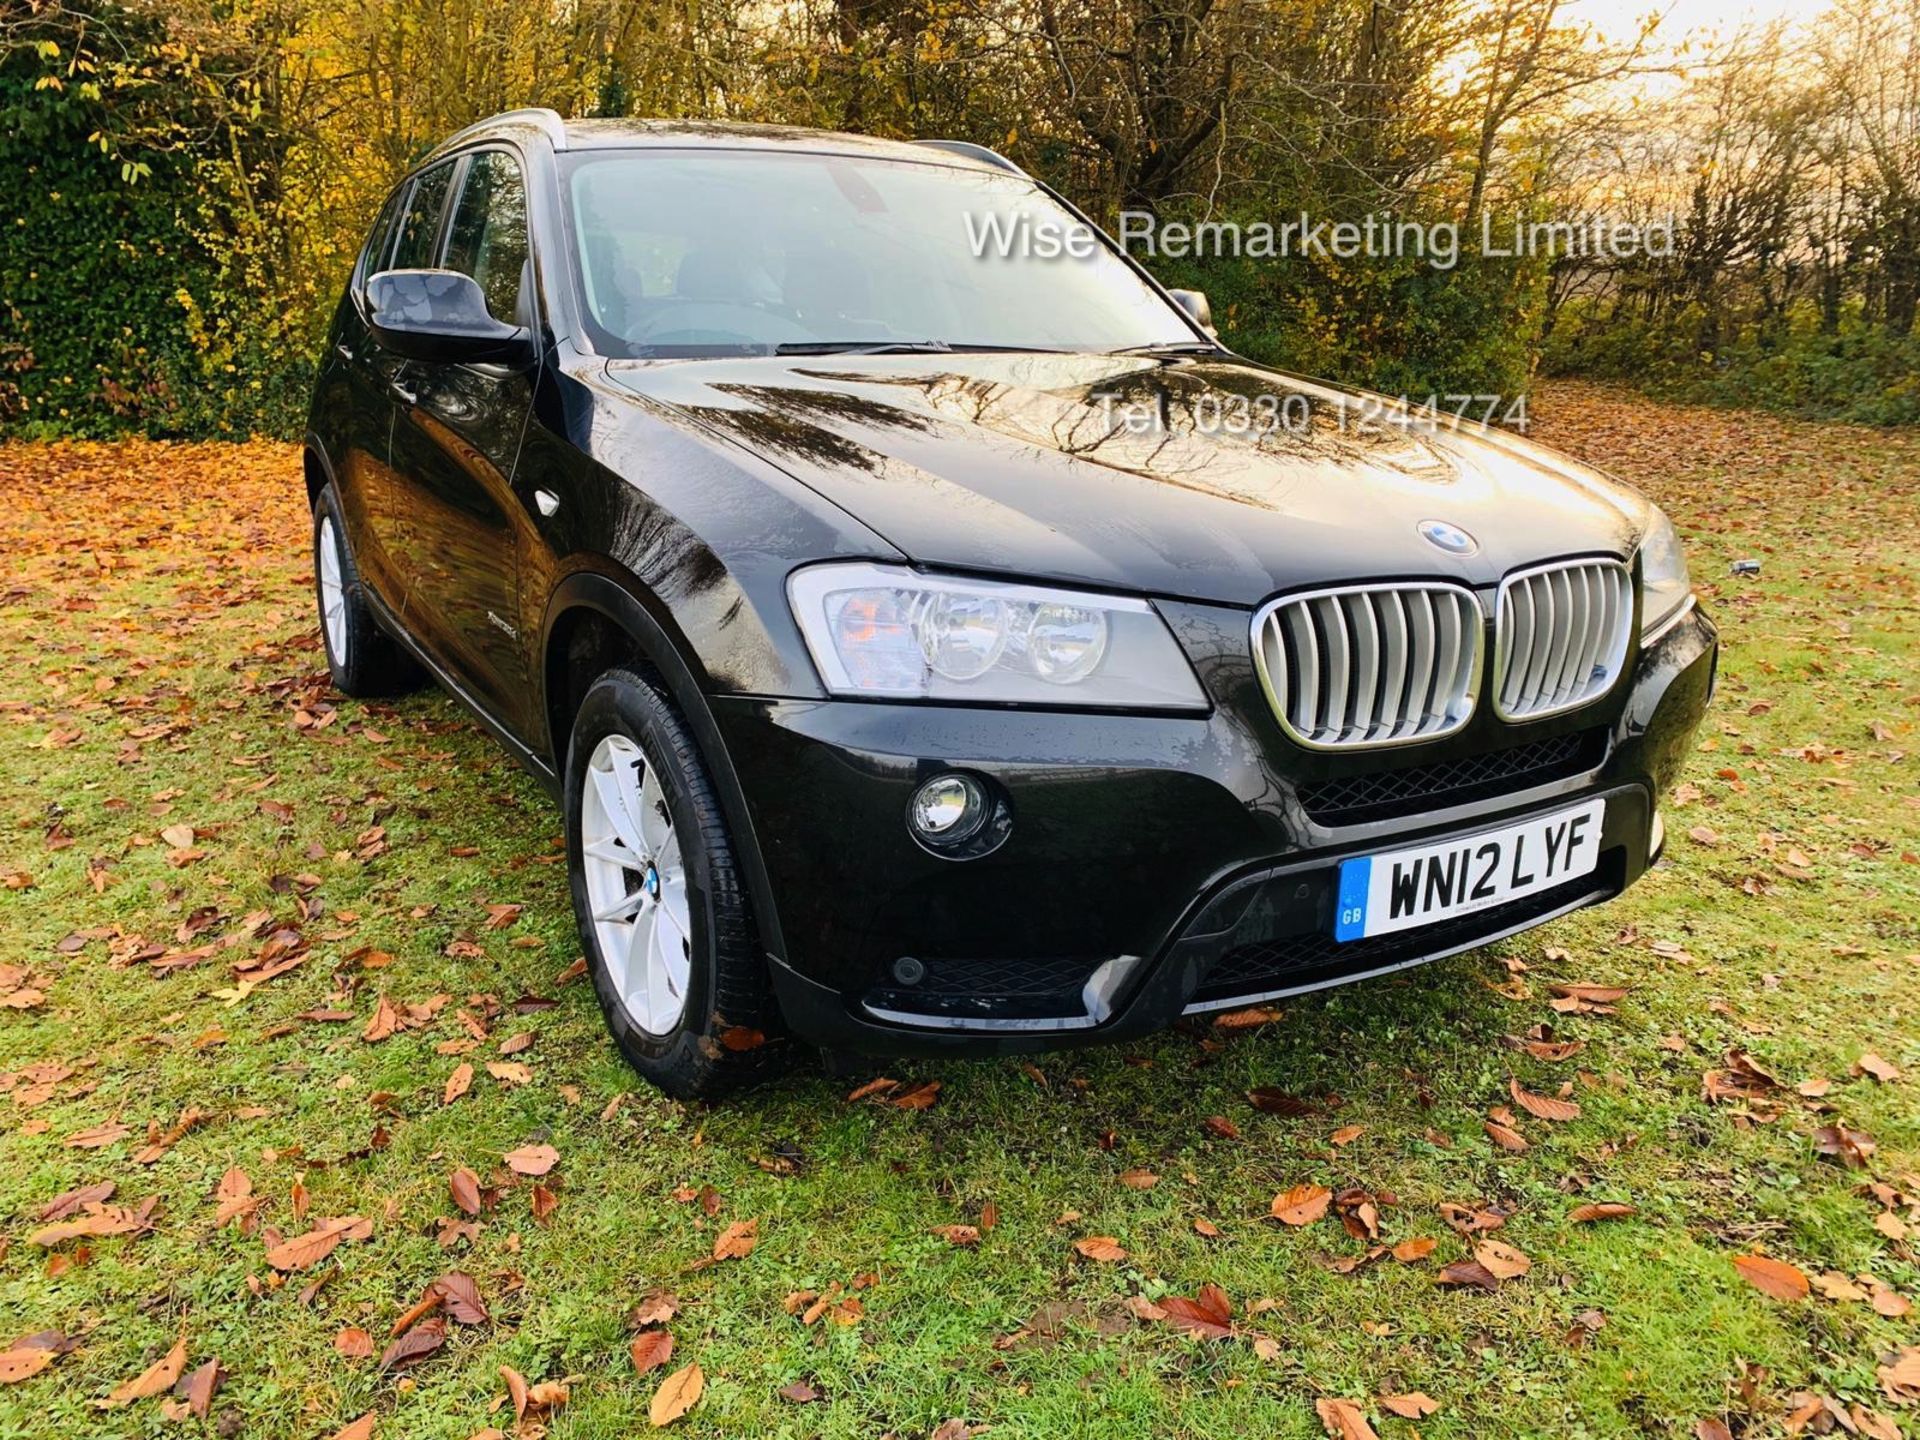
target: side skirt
<point>533,763</point>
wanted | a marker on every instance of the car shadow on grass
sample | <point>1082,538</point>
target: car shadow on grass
<point>1394,1046</point>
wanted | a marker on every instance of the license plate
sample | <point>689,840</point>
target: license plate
<point>1400,889</point>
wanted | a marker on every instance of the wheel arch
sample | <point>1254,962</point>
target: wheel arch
<point>317,470</point>
<point>594,621</point>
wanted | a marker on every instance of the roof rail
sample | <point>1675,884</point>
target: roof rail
<point>537,116</point>
<point>973,152</point>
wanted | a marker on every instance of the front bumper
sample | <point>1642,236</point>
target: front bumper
<point>1157,865</point>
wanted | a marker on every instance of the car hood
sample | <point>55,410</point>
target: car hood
<point>1195,478</point>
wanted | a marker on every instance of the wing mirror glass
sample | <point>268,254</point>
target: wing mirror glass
<point>441,315</point>
<point>1194,302</point>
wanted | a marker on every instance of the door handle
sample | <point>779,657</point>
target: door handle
<point>546,501</point>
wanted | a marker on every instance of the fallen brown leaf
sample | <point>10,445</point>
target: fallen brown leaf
<point>1414,1405</point>
<point>458,1083</point>
<point>461,1296</point>
<point>1600,1210</point>
<point>418,1343</point>
<point>1248,1019</point>
<point>917,1097</point>
<point>156,1379</point>
<point>736,1242</point>
<point>69,1202</point>
<point>465,1188</point>
<point>1209,1314</point>
<point>650,1350</point>
<point>1344,1420</point>
<point>1591,994</point>
<point>677,1394</point>
<point>1302,1205</point>
<point>1882,1070</point>
<point>1852,1147</point>
<point>305,1251</point>
<point>1773,1277</point>
<point>99,1136</point>
<point>1900,1377</point>
<point>1501,1260</point>
<point>1505,1136</point>
<point>1467,1272</point>
<point>1544,1107</point>
<point>353,1343</point>
<point>656,1307</point>
<point>532,1159</point>
<point>25,1360</point>
<point>1270,1101</point>
<point>200,1387</point>
<point>383,1022</point>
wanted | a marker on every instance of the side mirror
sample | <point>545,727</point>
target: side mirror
<point>441,315</point>
<point>1194,302</point>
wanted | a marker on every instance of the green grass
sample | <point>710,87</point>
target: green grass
<point>169,687</point>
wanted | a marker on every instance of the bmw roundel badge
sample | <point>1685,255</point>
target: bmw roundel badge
<point>1450,538</point>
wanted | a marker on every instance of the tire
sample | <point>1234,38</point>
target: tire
<point>647,846</point>
<point>364,659</point>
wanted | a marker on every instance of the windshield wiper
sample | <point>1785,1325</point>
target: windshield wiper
<point>863,347</point>
<point>910,347</point>
<point>1171,347</point>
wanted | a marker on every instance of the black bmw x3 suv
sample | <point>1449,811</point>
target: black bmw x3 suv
<point>946,645</point>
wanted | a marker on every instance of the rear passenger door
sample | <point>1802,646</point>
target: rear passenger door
<point>415,245</point>
<point>359,408</point>
<point>455,443</point>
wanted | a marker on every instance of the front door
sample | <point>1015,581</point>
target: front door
<point>455,441</point>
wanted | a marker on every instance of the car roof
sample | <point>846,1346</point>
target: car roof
<point>637,134</point>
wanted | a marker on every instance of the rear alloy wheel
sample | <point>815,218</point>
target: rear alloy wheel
<point>333,594</point>
<point>363,658</point>
<point>670,942</point>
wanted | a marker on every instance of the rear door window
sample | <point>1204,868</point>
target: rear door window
<point>419,243</point>
<point>380,241</point>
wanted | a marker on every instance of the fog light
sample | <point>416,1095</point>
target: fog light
<point>948,810</point>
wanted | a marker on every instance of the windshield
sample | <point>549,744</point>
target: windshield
<point>727,252</point>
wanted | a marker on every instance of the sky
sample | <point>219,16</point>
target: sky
<point>1621,18</point>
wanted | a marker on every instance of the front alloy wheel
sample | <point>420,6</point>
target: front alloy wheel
<point>636,884</point>
<point>663,915</point>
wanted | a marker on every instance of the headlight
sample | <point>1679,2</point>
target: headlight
<point>889,632</point>
<point>1664,585</point>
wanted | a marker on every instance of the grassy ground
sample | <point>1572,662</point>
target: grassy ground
<point>160,671</point>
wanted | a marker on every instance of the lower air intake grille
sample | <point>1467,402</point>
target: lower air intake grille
<point>1303,961</point>
<point>1389,794</point>
<point>990,989</point>
<point>1562,637</point>
<point>1371,665</point>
